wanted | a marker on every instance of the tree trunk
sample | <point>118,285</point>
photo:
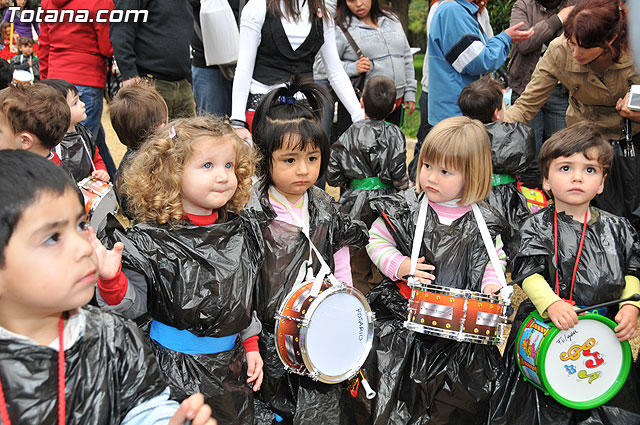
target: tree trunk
<point>402,9</point>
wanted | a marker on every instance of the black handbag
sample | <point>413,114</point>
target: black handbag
<point>357,82</point>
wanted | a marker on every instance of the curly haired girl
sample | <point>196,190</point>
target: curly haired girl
<point>191,261</point>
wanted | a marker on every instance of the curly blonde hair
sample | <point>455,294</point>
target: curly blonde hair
<point>153,180</point>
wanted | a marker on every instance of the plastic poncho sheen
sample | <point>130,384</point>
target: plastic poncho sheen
<point>297,399</point>
<point>422,379</point>
<point>109,370</point>
<point>199,278</point>
<point>610,252</point>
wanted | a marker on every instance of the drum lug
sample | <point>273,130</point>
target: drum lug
<point>371,315</point>
<point>314,375</point>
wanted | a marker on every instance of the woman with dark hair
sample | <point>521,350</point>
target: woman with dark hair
<point>592,60</point>
<point>378,33</point>
<point>279,38</point>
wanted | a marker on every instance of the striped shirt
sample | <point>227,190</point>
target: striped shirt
<point>386,256</point>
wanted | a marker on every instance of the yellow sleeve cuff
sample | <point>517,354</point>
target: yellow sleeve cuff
<point>632,287</point>
<point>539,292</point>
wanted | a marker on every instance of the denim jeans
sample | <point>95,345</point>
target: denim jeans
<point>92,99</point>
<point>550,119</point>
<point>212,92</point>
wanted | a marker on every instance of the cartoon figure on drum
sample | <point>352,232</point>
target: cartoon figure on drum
<point>325,337</point>
<point>449,241</point>
<point>589,257</point>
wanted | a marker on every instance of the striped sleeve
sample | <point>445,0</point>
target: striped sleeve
<point>490,276</point>
<point>464,51</point>
<point>382,250</point>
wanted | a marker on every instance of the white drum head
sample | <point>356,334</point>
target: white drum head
<point>103,205</point>
<point>577,375</point>
<point>338,338</point>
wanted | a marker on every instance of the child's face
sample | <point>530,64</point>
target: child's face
<point>574,180</point>
<point>293,171</point>
<point>26,49</point>
<point>440,184</point>
<point>8,139</point>
<point>77,108</point>
<point>209,177</point>
<point>50,265</point>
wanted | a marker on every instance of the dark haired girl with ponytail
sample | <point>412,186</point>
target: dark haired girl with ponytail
<point>279,38</point>
<point>592,60</point>
<point>294,150</point>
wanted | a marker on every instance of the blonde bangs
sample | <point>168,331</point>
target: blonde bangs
<point>461,144</point>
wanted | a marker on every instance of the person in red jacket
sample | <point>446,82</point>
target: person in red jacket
<point>78,53</point>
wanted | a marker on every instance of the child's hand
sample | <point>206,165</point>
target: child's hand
<point>563,315</point>
<point>491,289</point>
<point>194,409</point>
<point>420,273</point>
<point>108,260</point>
<point>627,319</point>
<point>101,175</point>
<point>254,369</point>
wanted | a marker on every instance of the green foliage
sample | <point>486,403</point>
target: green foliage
<point>500,14</point>
<point>418,11</point>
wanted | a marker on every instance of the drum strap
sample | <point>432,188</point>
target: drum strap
<point>306,271</point>
<point>555,249</point>
<point>489,245</point>
<point>417,236</point>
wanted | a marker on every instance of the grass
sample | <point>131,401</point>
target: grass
<point>412,122</point>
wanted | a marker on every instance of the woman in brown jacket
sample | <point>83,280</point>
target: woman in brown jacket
<point>592,60</point>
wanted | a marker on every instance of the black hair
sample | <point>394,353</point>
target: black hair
<point>379,96</point>
<point>63,86</point>
<point>25,176</point>
<point>480,99</point>
<point>6,74</point>
<point>281,114</point>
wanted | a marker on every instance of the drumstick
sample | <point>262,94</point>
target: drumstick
<point>521,278</point>
<point>634,297</point>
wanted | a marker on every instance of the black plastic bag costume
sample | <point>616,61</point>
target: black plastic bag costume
<point>199,278</point>
<point>513,148</point>
<point>362,149</point>
<point>109,370</point>
<point>422,379</point>
<point>610,252</point>
<point>297,399</point>
<point>76,156</point>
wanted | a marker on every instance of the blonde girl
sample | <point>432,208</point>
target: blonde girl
<point>440,379</point>
<point>190,262</point>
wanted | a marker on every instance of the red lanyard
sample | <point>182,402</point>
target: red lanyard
<point>4,412</point>
<point>555,247</point>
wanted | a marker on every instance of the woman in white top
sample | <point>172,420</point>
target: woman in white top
<point>279,38</point>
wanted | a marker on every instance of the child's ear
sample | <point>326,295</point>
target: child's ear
<point>362,102</point>
<point>26,140</point>
<point>545,184</point>
<point>498,115</point>
<point>601,187</point>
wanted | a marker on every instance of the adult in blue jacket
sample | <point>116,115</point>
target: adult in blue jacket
<point>460,52</point>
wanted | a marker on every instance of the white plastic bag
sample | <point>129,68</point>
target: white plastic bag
<point>220,35</point>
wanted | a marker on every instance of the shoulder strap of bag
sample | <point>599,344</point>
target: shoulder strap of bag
<point>350,39</point>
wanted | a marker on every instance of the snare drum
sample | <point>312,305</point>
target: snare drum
<point>22,78</point>
<point>582,367</point>
<point>458,314</point>
<point>99,200</point>
<point>327,338</point>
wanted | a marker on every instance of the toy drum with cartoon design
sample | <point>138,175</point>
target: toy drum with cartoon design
<point>326,338</point>
<point>99,200</point>
<point>582,367</point>
<point>462,315</point>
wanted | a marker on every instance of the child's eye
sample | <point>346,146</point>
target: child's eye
<point>445,172</point>
<point>427,166</point>
<point>313,158</point>
<point>228,165</point>
<point>564,168</point>
<point>83,225</point>
<point>53,239</point>
<point>591,170</point>
<point>207,165</point>
<point>289,160</point>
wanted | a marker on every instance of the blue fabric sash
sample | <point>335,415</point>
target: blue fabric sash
<point>185,342</point>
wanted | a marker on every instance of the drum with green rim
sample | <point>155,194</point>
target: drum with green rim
<point>582,368</point>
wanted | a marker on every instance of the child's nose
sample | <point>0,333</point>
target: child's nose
<point>221,176</point>
<point>82,245</point>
